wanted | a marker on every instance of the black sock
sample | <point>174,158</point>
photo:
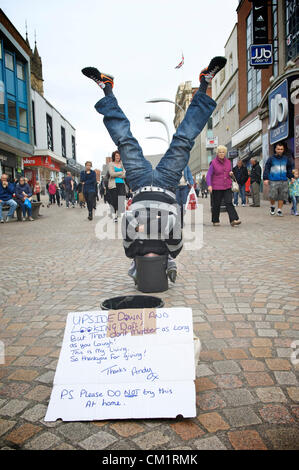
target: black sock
<point>203,85</point>
<point>108,89</point>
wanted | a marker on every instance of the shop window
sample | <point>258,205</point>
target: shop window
<point>292,29</point>
<point>23,120</point>
<point>9,62</point>
<point>49,132</point>
<point>12,113</point>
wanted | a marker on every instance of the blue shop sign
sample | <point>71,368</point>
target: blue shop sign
<point>279,113</point>
<point>261,54</point>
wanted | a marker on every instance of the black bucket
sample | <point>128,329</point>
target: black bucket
<point>132,301</point>
<point>151,273</point>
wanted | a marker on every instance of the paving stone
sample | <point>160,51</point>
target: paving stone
<point>256,379</point>
<point>6,425</point>
<point>210,401</point>
<point>286,378</point>
<point>23,433</point>
<point>13,407</point>
<point>270,394</point>
<point>276,414</point>
<point>246,440</point>
<point>202,384</point>
<point>203,370</point>
<point>293,393</point>
<point>43,442</point>
<point>187,430</point>
<point>284,439</point>
<point>151,440</point>
<point>226,367</point>
<point>278,364</point>
<point>75,431</point>
<point>127,428</point>
<point>209,443</point>
<point>238,397</point>
<point>35,413</point>
<point>227,381</point>
<point>213,422</point>
<point>238,417</point>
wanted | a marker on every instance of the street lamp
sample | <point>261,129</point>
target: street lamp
<point>164,100</point>
<point>155,118</point>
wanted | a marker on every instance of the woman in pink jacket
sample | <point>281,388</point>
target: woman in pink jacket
<point>52,192</point>
<point>219,185</point>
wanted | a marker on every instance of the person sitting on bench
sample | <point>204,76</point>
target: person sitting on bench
<point>154,190</point>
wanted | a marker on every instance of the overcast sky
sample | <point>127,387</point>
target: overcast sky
<point>139,42</point>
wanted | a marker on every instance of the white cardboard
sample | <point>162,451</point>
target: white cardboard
<point>103,375</point>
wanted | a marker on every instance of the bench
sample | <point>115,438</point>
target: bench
<point>35,210</point>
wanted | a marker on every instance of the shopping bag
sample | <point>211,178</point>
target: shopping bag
<point>191,203</point>
<point>128,204</point>
<point>81,197</point>
<point>27,203</point>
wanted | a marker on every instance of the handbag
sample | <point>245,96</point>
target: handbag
<point>235,186</point>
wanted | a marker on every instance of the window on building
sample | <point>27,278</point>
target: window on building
<point>292,29</point>
<point>9,62</point>
<point>23,119</point>
<point>73,148</point>
<point>216,119</point>
<point>49,133</point>
<point>63,148</point>
<point>222,112</point>
<point>33,122</point>
<point>275,37</point>
<point>20,71</point>
<point>231,101</point>
<point>210,123</point>
<point>2,111</point>
<point>254,76</point>
<point>12,113</point>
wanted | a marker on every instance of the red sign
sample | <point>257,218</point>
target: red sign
<point>42,161</point>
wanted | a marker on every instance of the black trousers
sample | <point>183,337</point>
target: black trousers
<point>226,194</point>
<point>90,199</point>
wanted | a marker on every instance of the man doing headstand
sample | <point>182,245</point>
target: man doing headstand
<point>154,198</point>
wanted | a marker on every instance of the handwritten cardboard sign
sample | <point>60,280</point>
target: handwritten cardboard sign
<point>136,363</point>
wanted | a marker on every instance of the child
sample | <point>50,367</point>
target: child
<point>294,191</point>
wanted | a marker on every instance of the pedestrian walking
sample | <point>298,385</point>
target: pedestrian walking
<point>241,174</point>
<point>219,185</point>
<point>185,184</point>
<point>69,189</point>
<point>57,195</point>
<point>255,182</point>
<point>204,187</point>
<point>88,178</point>
<point>116,185</point>
<point>52,192</point>
<point>154,189</point>
<point>277,172</point>
<point>294,191</point>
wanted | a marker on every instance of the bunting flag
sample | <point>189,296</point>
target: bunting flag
<point>181,63</point>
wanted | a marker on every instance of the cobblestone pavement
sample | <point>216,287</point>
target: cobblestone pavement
<point>242,287</point>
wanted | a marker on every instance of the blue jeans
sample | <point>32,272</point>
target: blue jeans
<point>242,195</point>
<point>12,207</point>
<point>295,200</point>
<point>25,209</point>
<point>139,171</point>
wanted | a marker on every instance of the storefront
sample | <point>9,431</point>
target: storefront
<point>10,164</point>
<point>280,116</point>
<point>42,169</point>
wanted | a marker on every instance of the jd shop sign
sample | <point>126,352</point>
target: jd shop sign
<point>279,113</point>
<point>261,54</point>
